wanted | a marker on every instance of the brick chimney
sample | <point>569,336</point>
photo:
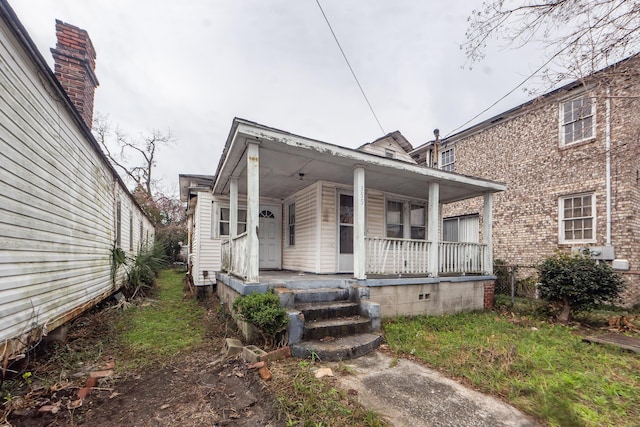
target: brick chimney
<point>75,64</point>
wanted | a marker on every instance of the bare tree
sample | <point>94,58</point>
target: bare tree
<point>579,37</point>
<point>140,171</point>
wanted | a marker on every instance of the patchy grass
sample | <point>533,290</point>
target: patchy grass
<point>162,328</point>
<point>544,369</point>
<point>304,400</point>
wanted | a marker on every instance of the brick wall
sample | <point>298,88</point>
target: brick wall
<point>75,62</point>
<point>523,150</point>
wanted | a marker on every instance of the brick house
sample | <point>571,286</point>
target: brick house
<point>571,162</point>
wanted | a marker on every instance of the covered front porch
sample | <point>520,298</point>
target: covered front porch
<point>343,210</point>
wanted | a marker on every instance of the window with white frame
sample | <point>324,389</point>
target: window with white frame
<point>418,221</point>
<point>130,230</point>
<point>395,219</point>
<point>291,224</point>
<point>576,120</point>
<point>461,229</point>
<point>225,218</point>
<point>118,224</point>
<point>448,160</point>
<point>577,218</point>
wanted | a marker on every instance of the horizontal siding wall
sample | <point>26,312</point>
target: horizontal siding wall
<point>209,249</point>
<point>375,214</point>
<point>302,256</point>
<point>57,204</point>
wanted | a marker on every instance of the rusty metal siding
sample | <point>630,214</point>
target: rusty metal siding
<point>56,205</point>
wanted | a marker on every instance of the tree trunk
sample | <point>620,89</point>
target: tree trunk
<point>565,312</point>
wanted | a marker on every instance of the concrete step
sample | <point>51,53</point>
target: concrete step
<point>303,296</point>
<point>337,349</point>
<point>328,310</point>
<point>336,328</point>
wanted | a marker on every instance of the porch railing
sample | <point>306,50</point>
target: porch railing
<point>225,262</point>
<point>397,256</point>
<point>461,257</point>
<point>234,255</point>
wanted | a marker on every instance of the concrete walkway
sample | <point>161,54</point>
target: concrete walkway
<point>408,394</point>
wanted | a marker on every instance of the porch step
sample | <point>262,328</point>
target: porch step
<point>336,328</point>
<point>328,310</point>
<point>303,296</point>
<point>337,349</point>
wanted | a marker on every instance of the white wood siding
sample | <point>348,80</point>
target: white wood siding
<point>57,205</point>
<point>375,214</point>
<point>302,256</point>
<point>208,250</point>
<point>329,234</point>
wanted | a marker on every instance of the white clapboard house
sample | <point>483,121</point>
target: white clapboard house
<point>63,208</point>
<point>304,217</point>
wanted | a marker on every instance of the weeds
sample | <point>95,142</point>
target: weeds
<point>542,368</point>
<point>304,400</point>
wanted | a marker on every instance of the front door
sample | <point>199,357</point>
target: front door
<point>269,236</point>
<point>345,233</point>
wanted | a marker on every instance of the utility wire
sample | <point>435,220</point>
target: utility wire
<point>350,68</point>
<point>506,94</point>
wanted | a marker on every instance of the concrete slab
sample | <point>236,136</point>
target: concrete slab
<point>408,394</point>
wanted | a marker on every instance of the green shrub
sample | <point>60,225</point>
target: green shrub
<point>577,283</point>
<point>143,269</point>
<point>263,311</point>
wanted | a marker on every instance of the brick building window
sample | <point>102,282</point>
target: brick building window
<point>577,120</point>
<point>577,219</point>
<point>448,160</point>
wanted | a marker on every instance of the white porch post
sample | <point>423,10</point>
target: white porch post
<point>253,205</point>
<point>433,227</point>
<point>359,201</point>
<point>487,231</point>
<point>233,207</point>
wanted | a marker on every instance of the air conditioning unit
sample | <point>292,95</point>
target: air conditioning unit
<point>604,253</point>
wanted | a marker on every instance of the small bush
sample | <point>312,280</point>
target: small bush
<point>577,283</point>
<point>263,311</point>
<point>144,268</point>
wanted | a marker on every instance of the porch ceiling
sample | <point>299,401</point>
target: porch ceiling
<point>289,163</point>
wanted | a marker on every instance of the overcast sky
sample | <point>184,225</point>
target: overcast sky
<point>192,66</point>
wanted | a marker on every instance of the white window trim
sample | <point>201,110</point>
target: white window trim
<point>288,225</point>
<point>441,159</point>
<point>406,216</point>
<point>561,239</point>
<point>216,216</point>
<point>561,120</point>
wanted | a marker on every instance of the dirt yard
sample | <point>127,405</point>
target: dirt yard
<point>198,388</point>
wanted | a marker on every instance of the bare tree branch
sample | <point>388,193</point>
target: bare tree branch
<point>580,36</point>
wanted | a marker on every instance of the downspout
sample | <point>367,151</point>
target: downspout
<point>607,145</point>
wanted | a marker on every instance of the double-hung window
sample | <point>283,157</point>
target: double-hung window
<point>577,219</point>
<point>395,219</point>
<point>448,160</point>
<point>418,221</point>
<point>291,224</point>
<point>225,225</point>
<point>576,120</point>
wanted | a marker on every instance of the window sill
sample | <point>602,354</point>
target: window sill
<point>563,147</point>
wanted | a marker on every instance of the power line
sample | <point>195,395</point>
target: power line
<point>350,68</point>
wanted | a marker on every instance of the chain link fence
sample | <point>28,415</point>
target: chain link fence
<point>516,281</point>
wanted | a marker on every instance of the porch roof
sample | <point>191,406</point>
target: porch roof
<point>289,163</point>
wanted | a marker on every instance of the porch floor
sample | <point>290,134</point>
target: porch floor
<point>301,280</point>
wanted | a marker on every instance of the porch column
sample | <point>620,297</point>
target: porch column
<point>433,227</point>
<point>359,202</point>
<point>253,205</point>
<point>487,232</point>
<point>233,207</point>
